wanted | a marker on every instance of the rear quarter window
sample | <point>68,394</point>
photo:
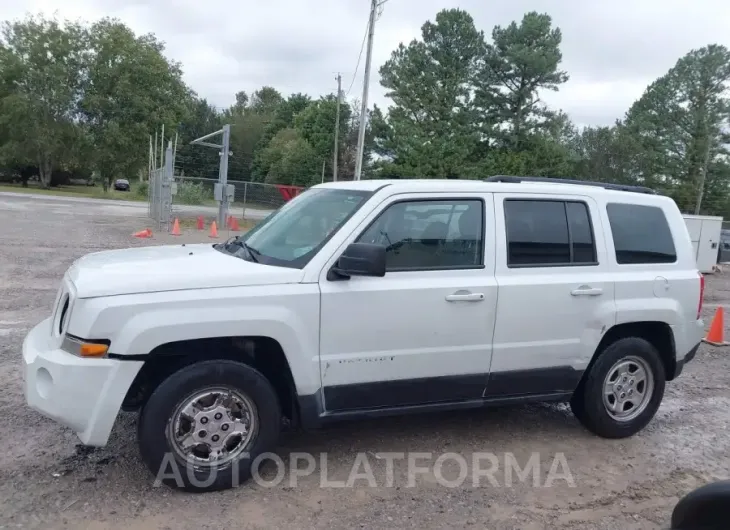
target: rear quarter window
<point>641,234</point>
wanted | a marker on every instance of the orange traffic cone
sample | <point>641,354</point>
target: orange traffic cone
<point>201,224</point>
<point>143,233</point>
<point>716,335</point>
<point>234,225</point>
<point>213,230</point>
<point>176,228</point>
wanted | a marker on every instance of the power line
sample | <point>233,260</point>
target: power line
<point>359,57</point>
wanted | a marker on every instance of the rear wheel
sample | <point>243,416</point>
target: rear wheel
<point>204,426</point>
<point>623,389</point>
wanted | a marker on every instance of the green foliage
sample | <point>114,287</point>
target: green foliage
<point>118,114</point>
<point>680,128</point>
<point>79,99</point>
<point>290,159</point>
<point>41,65</point>
<point>192,193</point>
<point>432,126</point>
<point>522,60</point>
<point>142,189</point>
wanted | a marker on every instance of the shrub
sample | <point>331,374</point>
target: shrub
<point>141,189</point>
<point>191,193</point>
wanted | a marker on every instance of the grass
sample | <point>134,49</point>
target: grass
<point>95,192</point>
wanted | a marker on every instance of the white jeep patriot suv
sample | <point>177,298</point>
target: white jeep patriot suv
<point>372,298</point>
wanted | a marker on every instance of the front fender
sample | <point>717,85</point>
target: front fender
<point>137,324</point>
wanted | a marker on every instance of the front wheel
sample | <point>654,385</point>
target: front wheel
<point>203,427</point>
<point>623,389</point>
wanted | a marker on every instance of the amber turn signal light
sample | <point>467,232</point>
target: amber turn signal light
<point>87,349</point>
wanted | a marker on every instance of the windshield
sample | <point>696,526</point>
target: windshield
<point>294,233</point>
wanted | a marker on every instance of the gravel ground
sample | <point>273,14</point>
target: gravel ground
<point>48,481</point>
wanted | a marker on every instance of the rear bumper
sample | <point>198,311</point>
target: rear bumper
<point>83,394</point>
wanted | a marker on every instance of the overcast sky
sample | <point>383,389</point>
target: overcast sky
<point>611,48</point>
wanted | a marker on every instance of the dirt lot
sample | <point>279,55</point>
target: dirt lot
<point>47,481</point>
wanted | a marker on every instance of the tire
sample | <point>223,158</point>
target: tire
<point>588,403</point>
<point>231,382</point>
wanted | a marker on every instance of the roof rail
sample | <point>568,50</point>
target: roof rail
<point>549,180</point>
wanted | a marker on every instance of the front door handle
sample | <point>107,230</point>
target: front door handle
<point>585,290</point>
<point>470,297</point>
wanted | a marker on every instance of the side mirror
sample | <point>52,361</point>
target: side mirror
<point>359,259</point>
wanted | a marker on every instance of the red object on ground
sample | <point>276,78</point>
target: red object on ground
<point>201,223</point>
<point>289,192</point>
<point>143,233</point>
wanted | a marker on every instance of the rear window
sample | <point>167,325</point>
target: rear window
<point>641,234</point>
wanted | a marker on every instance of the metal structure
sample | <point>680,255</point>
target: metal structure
<point>365,86</point>
<point>250,200</point>
<point>336,158</point>
<point>160,190</point>
<point>222,191</point>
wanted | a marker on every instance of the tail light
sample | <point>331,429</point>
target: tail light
<point>702,294</point>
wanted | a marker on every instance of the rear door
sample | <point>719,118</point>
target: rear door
<point>556,298</point>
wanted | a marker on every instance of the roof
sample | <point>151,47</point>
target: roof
<point>468,185</point>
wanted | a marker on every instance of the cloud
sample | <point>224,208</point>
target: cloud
<point>611,50</point>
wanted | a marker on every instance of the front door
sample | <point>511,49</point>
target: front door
<point>556,294</point>
<point>423,332</point>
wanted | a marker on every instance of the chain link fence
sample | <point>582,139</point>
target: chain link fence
<point>251,200</point>
<point>160,191</point>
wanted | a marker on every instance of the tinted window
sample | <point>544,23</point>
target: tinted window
<point>430,234</point>
<point>640,234</point>
<point>548,232</point>
<point>581,232</point>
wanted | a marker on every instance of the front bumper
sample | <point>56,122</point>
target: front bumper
<point>83,394</point>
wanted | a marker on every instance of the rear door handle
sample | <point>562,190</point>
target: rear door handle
<point>584,290</point>
<point>471,297</point>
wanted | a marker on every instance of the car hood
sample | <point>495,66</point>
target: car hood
<point>170,268</point>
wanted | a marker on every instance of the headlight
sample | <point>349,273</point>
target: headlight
<point>85,348</point>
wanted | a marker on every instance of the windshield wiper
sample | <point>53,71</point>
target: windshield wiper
<point>251,251</point>
<point>240,242</point>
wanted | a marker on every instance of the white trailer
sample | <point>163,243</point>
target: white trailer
<point>704,231</point>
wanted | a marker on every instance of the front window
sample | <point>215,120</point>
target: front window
<point>294,233</point>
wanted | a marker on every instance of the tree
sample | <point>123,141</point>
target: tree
<point>41,64</point>
<point>289,159</point>
<point>131,89</point>
<point>522,60</point>
<point>194,160</point>
<point>604,154</point>
<point>316,124</point>
<point>431,128</point>
<point>283,117</point>
<point>249,117</point>
<point>679,124</point>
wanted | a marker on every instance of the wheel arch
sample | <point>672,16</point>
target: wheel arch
<point>263,353</point>
<point>658,334</point>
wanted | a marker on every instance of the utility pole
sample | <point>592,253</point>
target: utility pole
<point>223,176</point>
<point>221,189</point>
<point>365,86</point>
<point>703,172</point>
<point>337,127</point>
